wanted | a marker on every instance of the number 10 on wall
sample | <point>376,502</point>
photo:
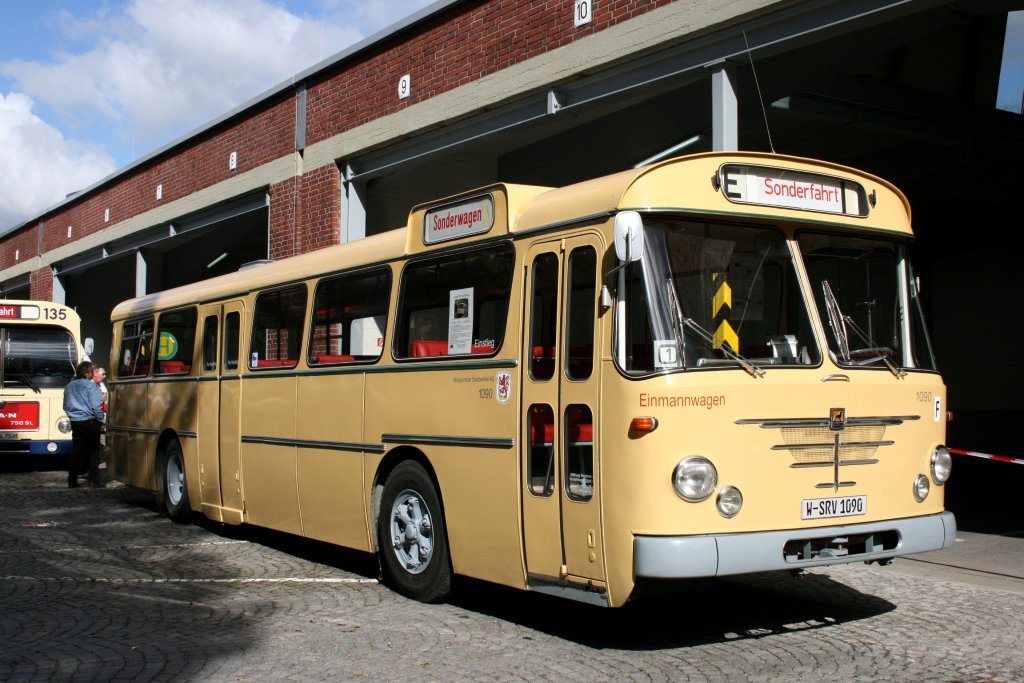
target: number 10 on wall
<point>581,12</point>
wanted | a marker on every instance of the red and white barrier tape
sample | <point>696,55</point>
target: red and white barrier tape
<point>1000,458</point>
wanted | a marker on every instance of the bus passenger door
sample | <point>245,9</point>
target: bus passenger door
<point>218,420</point>
<point>560,491</point>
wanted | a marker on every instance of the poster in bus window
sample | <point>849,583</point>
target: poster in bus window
<point>460,321</point>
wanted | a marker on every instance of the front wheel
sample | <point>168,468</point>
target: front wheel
<point>412,537</point>
<point>174,489</point>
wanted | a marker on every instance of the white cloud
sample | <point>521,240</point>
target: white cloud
<point>38,166</point>
<point>165,67</point>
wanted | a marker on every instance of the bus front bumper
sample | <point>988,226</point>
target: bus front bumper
<point>35,447</point>
<point>677,557</point>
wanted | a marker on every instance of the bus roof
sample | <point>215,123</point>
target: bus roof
<point>692,184</point>
<point>701,183</point>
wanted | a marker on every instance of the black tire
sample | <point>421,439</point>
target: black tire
<point>174,490</point>
<point>412,538</point>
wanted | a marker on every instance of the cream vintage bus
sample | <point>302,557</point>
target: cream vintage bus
<point>712,365</point>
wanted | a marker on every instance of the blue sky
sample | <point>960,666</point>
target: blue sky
<point>88,86</point>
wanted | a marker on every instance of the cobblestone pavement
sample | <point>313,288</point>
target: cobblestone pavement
<point>95,586</point>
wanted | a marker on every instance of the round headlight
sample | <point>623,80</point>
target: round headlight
<point>921,488</point>
<point>695,478</point>
<point>64,425</point>
<point>942,464</point>
<point>51,447</point>
<point>730,500</point>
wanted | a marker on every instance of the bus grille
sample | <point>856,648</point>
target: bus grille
<point>812,442</point>
<point>816,445</point>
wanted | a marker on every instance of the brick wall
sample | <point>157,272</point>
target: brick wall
<point>41,284</point>
<point>321,202</point>
<point>285,216</point>
<point>18,247</point>
<point>259,138</point>
<point>473,41</point>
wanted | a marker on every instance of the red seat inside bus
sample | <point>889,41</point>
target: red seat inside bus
<point>426,348</point>
<point>333,358</point>
<point>278,363</point>
<point>173,367</point>
<point>579,424</point>
<point>580,429</point>
<point>542,362</point>
<point>542,431</point>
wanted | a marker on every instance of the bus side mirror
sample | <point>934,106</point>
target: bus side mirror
<point>629,236</point>
<point>89,346</point>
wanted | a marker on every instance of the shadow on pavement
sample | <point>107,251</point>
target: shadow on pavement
<point>701,612</point>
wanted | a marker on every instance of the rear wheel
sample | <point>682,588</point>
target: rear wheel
<point>175,491</point>
<point>412,537</point>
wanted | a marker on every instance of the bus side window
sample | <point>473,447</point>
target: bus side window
<point>350,315</point>
<point>454,305</point>
<point>210,343</point>
<point>579,452</point>
<point>136,348</point>
<point>277,327</point>
<point>579,363</point>
<point>543,318</point>
<point>232,325</point>
<point>175,341</point>
<point>541,463</point>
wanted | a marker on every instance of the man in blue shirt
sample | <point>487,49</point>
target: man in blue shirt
<point>83,404</point>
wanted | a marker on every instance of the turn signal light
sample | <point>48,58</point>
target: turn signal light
<point>643,424</point>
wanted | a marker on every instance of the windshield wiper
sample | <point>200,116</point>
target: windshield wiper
<point>679,322</point>
<point>726,348</point>
<point>21,374</point>
<point>882,353</point>
<point>839,322</point>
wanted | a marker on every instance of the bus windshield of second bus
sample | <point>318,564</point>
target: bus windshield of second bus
<point>37,358</point>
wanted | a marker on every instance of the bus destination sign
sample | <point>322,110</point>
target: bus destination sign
<point>788,189</point>
<point>472,217</point>
<point>14,312</point>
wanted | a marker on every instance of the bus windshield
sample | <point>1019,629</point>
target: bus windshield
<point>36,357</point>
<point>709,295</point>
<point>861,287</point>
